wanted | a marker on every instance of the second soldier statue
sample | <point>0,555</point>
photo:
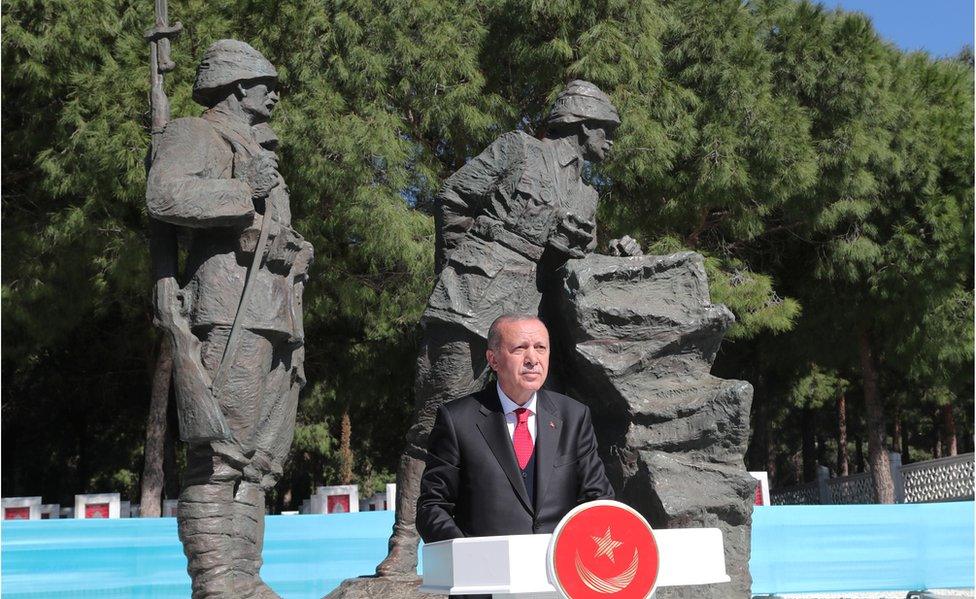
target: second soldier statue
<point>235,316</point>
<point>505,222</point>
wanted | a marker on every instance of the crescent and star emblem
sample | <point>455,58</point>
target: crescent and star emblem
<point>604,547</point>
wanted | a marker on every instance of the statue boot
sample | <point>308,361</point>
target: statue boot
<point>448,367</point>
<point>249,540</point>
<point>401,559</point>
<point>205,519</point>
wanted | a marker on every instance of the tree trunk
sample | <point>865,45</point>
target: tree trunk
<point>345,450</point>
<point>823,458</point>
<point>884,486</point>
<point>758,447</point>
<point>937,429</point>
<point>809,446</point>
<point>949,426</point>
<point>316,471</point>
<point>796,467</point>
<point>906,457</point>
<point>896,434</point>
<point>286,499</point>
<point>843,468</point>
<point>152,473</point>
<point>171,461</point>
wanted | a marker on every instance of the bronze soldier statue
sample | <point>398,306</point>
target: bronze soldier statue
<point>505,222</point>
<point>236,322</point>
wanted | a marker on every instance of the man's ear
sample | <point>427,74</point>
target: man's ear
<point>490,358</point>
<point>584,131</point>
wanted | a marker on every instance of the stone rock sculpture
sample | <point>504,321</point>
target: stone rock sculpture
<point>636,339</point>
<point>235,323</point>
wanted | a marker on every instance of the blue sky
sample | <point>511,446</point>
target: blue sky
<point>942,27</point>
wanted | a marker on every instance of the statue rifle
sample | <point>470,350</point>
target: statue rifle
<point>233,341</point>
<point>162,245</point>
<point>200,417</point>
<point>159,37</point>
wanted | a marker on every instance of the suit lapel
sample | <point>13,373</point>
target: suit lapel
<point>495,431</point>
<point>548,427</point>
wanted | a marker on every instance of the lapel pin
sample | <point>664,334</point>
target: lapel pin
<point>552,424</point>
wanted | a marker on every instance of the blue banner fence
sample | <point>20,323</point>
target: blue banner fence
<point>794,549</point>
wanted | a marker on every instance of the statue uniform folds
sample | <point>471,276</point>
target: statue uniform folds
<point>238,354</point>
<point>505,222</point>
<point>497,219</point>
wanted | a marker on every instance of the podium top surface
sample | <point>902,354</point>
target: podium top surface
<point>515,565</point>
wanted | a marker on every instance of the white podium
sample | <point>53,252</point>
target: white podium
<point>514,566</point>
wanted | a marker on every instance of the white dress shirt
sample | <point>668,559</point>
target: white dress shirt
<point>509,407</point>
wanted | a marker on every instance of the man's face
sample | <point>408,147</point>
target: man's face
<point>260,97</point>
<point>521,360</point>
<point>597,141</point>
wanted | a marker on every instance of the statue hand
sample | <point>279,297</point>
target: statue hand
<point>167,306</point>
<point>625,246</point>
<point>262,175</point>
<point>249,236</point>
<point>573,235</point>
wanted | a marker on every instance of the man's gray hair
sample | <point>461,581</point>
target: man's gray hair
<point>494,334</point>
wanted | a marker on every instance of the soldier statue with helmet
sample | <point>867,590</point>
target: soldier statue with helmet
<point>505,222</point>
<point>235,317</point>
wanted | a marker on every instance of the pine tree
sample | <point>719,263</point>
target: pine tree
<point>826,177</point>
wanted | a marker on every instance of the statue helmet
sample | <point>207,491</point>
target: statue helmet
<point>582,101</point>
<point>227,62</point>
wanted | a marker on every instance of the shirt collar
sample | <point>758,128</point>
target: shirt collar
<point>567,154</point>
<point>509,406</point>
<point>229,122</point>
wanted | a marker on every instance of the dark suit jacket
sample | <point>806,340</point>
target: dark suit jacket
<point>472,485</point>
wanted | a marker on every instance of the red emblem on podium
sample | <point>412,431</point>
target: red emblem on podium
<point>603,550</point>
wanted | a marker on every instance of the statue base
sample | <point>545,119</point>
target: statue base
<point>381,587</point>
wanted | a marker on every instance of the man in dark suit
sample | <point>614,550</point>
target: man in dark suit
<point>513,458</point>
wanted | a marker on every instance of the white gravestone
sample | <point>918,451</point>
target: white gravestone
<point>762,489</point>
<point>375,503</point>
<point>22,508</point>
<point>335,499</point>
<point>50,511</point>
<point>97,505</point>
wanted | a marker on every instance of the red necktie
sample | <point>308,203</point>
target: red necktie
<point>522,438</point>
